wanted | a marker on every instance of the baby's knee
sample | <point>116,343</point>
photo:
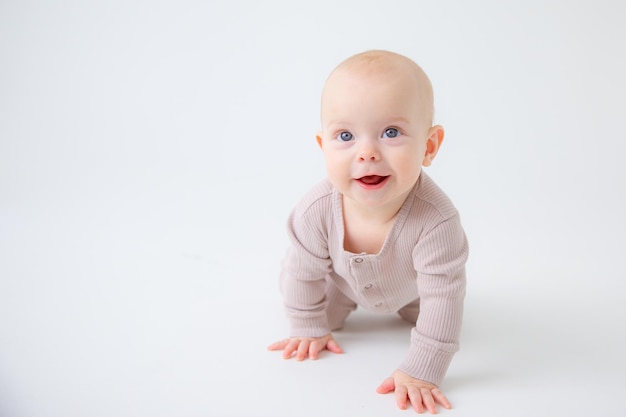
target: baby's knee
<point>337,315</point>
<point>410,312</point>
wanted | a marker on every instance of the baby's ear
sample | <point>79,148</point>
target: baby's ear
<point>318,139</point>
<point>433,143</point>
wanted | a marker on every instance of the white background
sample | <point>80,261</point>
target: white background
<point>150,152</point>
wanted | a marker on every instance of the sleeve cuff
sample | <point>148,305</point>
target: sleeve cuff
<point>309,325</point>
<point>428,362</point>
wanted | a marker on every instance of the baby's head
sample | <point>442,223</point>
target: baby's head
<point>377,126</point>
<point>372,67</point>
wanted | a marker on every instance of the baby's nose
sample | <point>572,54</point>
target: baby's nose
<point>368,152</point>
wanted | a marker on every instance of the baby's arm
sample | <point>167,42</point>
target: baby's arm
<point>439,260</point>
<point>306,346</point>
<point>302,283</point>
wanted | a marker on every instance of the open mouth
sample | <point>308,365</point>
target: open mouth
<point>372,180</point>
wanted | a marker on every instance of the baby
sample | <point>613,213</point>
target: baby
<point>378,233</point>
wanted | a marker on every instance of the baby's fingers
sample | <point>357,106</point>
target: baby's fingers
<point>333,346</point>
<point>388,385</point>
<point>401,396</point>
<point>441,399</point>
<point>315,348</point>
<point>426,401</point>
<point>280,345</point>
<point>292,346</point>
<point>303,349</point>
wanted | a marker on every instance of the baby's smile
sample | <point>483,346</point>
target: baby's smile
<point>372,181</point>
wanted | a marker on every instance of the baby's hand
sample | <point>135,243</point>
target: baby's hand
<point>306,346</point>
<point>421,394</point>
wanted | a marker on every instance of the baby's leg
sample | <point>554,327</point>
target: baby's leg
<point>339,306</point>
<point>411,311</point>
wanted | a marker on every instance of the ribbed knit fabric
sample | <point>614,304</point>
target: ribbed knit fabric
<point>423,257</point>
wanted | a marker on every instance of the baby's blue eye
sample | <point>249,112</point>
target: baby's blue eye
<point>345,136</point>
<point>391,132</point>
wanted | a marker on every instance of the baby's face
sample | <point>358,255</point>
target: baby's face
<point>374,135</point>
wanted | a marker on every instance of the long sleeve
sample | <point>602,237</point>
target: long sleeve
<point>439,259</point>
<point>304,271</point>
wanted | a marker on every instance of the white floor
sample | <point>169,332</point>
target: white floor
<point>129,321</point>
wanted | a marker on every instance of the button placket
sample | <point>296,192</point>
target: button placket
<point>369,292</point>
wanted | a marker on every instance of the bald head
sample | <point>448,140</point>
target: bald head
<point>377,65</point>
